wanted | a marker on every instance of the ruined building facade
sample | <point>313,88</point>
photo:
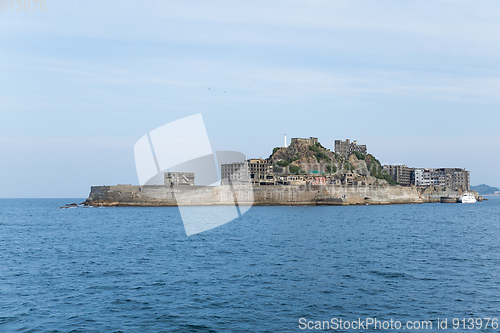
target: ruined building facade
<point>346,148</point>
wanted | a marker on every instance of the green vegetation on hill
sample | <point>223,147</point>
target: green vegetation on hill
<point>359,155</point>
<point>375,168</point>
<point>283,159</point>
<point>348,166</point>
<point>387,177</point>
<point>484,189</point>
<point>331,168</point>
<point>283,163</point>
<point>295,170</point>
<point>287,162</point>
<point>320,155</point>
<point>314,148</point>
<point>320,146</point>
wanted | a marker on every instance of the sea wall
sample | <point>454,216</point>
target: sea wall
<point>442,194</point>
<point>128,195</point>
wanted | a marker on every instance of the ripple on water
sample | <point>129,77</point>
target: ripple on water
<point>131,269</point>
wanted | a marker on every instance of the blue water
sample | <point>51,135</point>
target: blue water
<point>134,269</point>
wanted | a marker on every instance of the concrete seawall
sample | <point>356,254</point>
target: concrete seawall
<point>128,195</point>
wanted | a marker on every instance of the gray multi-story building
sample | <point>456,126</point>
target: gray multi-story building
<point>400,173</point>
<point>346,148</point>
<point>453,178</point>
<point>418,177</point>
<point>259,171</point>
<point>233,173</point>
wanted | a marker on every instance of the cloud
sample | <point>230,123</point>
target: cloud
<point>384,26</point>
<point>121,68</point>
<point>62,144</point>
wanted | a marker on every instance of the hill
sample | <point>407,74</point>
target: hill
<point>307,156</point>
<point>484,189</point>
<point>302,155</point>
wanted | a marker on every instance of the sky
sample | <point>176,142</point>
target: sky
<point>80,82</point>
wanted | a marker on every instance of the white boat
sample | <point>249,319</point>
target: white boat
<point>467,198</point>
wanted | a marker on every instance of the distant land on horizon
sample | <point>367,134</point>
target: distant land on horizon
<point>484,189</point>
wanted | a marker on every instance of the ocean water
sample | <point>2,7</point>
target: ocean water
<point>135,270</point>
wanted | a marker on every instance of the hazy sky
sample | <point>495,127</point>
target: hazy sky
<point>417,82</point>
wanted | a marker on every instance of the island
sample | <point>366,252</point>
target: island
<point>302,173</point>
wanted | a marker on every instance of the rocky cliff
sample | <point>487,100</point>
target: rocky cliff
<point>302,157</point>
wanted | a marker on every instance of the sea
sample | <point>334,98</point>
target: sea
<point>274,269</point>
